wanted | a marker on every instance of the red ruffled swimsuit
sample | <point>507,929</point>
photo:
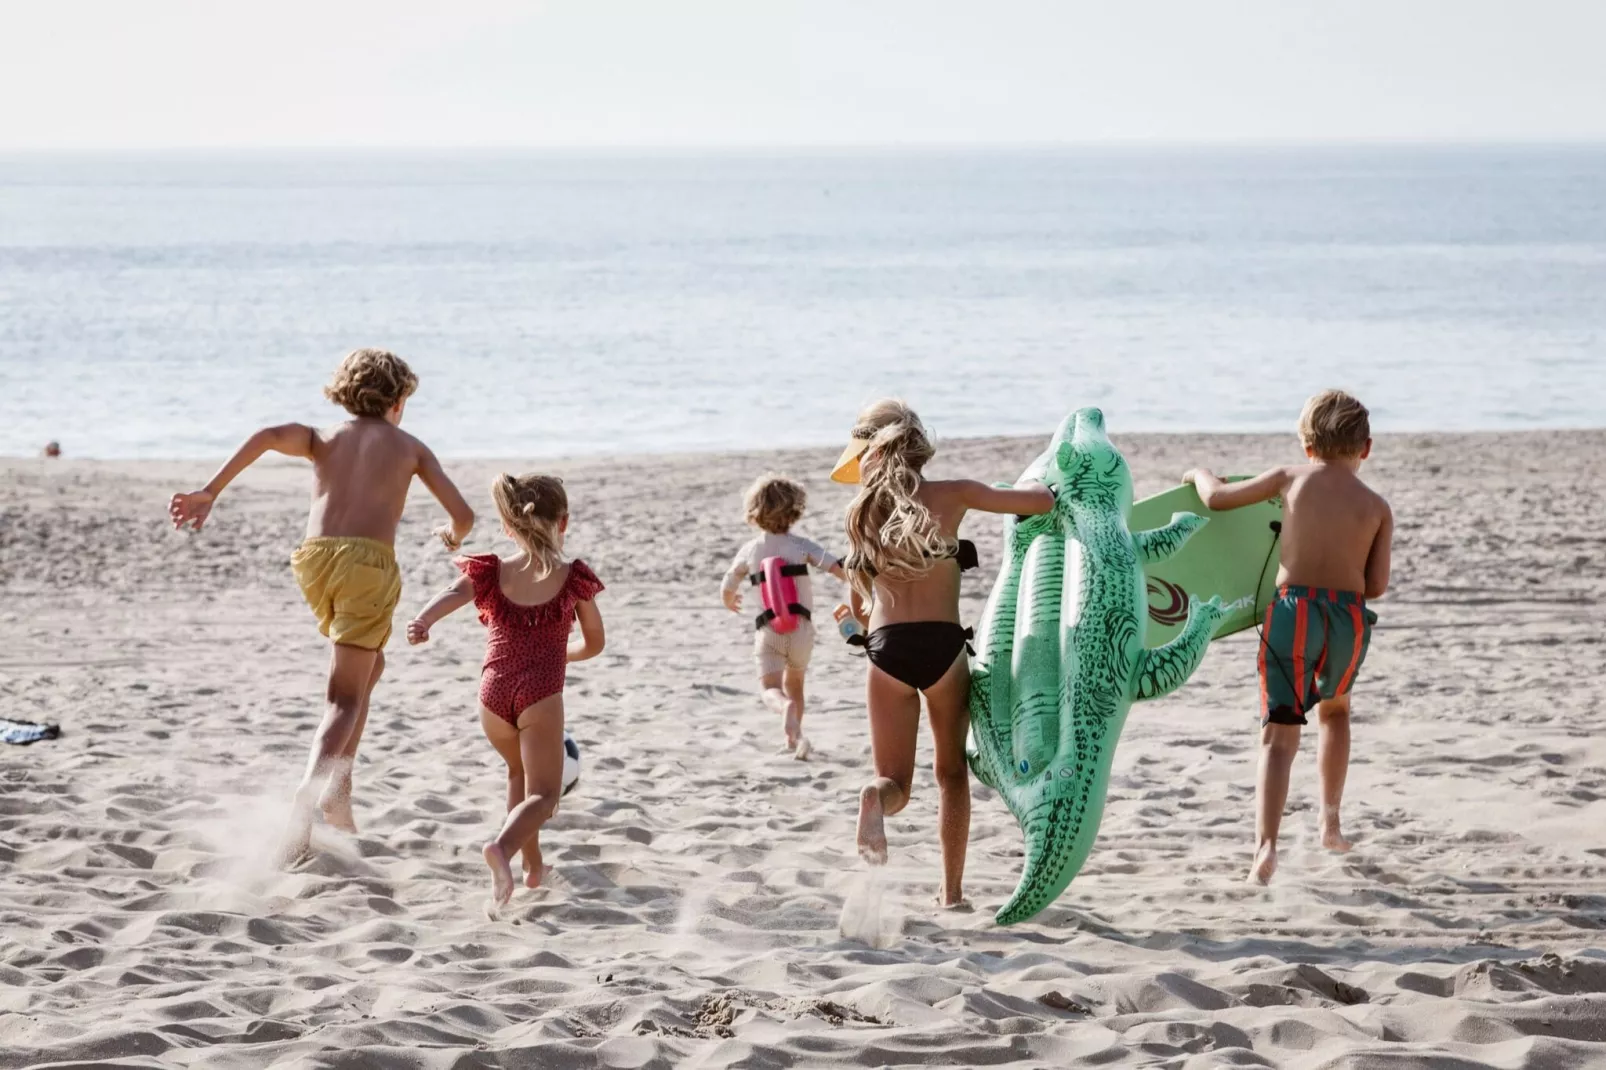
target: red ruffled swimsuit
<point>526,647</point>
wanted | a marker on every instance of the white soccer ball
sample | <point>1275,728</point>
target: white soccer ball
<point>571,763</point>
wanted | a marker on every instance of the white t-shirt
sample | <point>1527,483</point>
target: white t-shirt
<point>793,549</point>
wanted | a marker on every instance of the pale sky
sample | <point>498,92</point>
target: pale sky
<point>194,73</point>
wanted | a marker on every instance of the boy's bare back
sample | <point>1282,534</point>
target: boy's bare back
<point>1332,522</point>
<point>362,470</point>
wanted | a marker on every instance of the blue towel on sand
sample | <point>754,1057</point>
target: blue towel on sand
<point>26,731</point>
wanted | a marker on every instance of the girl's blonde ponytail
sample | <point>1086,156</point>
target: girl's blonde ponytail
<point>533,508</point>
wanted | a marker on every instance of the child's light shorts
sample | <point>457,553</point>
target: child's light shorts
<point>352,585</point>
<point>775,653</point>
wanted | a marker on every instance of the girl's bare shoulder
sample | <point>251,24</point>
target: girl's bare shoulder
<point>950,488</point>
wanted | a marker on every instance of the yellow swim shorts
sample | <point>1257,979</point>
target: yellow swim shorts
<point>352,585</point>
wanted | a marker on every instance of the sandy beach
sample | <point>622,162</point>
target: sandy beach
<point>708,907</point>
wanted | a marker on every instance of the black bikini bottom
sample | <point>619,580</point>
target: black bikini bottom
<point>918,653</point>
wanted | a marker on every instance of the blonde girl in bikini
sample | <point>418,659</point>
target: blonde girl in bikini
<point>529,603</point>
<point>904,564</point>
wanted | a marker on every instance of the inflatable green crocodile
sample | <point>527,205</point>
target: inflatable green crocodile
<point>1061,655</point>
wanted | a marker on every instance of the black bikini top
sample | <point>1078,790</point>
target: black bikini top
<point>964,552</point>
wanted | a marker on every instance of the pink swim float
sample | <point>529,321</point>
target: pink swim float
<point>777,587</point>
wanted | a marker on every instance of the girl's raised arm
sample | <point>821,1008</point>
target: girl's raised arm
<point>1021,501</point>
<point>449,601</point>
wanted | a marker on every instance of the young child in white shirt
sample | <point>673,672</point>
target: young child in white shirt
<point>777,562</point>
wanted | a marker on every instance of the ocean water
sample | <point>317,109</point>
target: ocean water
<point>165,305</point>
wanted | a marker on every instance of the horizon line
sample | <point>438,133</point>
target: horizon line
<point>754,148</point>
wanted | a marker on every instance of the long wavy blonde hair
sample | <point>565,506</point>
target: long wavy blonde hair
<point>891,533</point>
<point>533,508</point>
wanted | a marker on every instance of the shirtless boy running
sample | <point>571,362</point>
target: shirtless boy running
<point>346,568</point>
<point>1335,555</point>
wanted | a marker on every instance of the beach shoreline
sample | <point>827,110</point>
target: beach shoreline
<point>704,879</point>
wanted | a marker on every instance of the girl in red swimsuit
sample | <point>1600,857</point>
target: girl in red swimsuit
<point>528,604</point>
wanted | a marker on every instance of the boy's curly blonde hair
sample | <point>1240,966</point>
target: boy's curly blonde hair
<point>1335,426</point>
<point>370,382</point>
<point>774,503</point>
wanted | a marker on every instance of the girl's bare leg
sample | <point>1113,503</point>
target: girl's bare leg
<point>1332,764</point>
<point>792,684</point>
<point>948,707</point>
<point>336,799</point>
<point>351,675</point>
<point>505,738</point>
<point>894,709</point>
<point>1278,745</point>
<point>541,753</point>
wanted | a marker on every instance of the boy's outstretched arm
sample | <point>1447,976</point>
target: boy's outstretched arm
<point>451,499</point>
<point>1378,561</point>
<point>449,601</point>
<point>1217,494</point>
<point>592,637</point>
<point>294,440</point>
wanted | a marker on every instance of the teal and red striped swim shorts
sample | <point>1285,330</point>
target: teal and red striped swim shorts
<point>1314,643</point>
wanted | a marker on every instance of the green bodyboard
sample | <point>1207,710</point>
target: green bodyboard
<point>1234,558</point>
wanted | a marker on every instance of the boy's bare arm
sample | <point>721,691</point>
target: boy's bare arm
<point>451,499</point>
<point>293,440</point>
<point>1217,494</point>
<point>1378,561</point>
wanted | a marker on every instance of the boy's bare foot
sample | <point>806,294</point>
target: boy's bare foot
<point>337,814</point>
<point>534,878</point>
<point>794,730</point>
<point>957,903</point>
<point>1332,838</point>
<point>501,874</point>
<point>295,851</point>
<point>297,845</point>
<point>1265,865</point>
<point>872,827</point>
<point>802,751</point>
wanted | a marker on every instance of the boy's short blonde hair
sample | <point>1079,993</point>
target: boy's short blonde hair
<point>774,503</point>
<point>1335,425</point>
<point>371,382</point>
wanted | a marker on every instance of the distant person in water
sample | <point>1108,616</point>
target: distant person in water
<point>529,603</point>
<point>52,449</point>
<point>1336,539</point>
<point>346,568</point>
<point>905,561</point>
<point>776,562</point>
